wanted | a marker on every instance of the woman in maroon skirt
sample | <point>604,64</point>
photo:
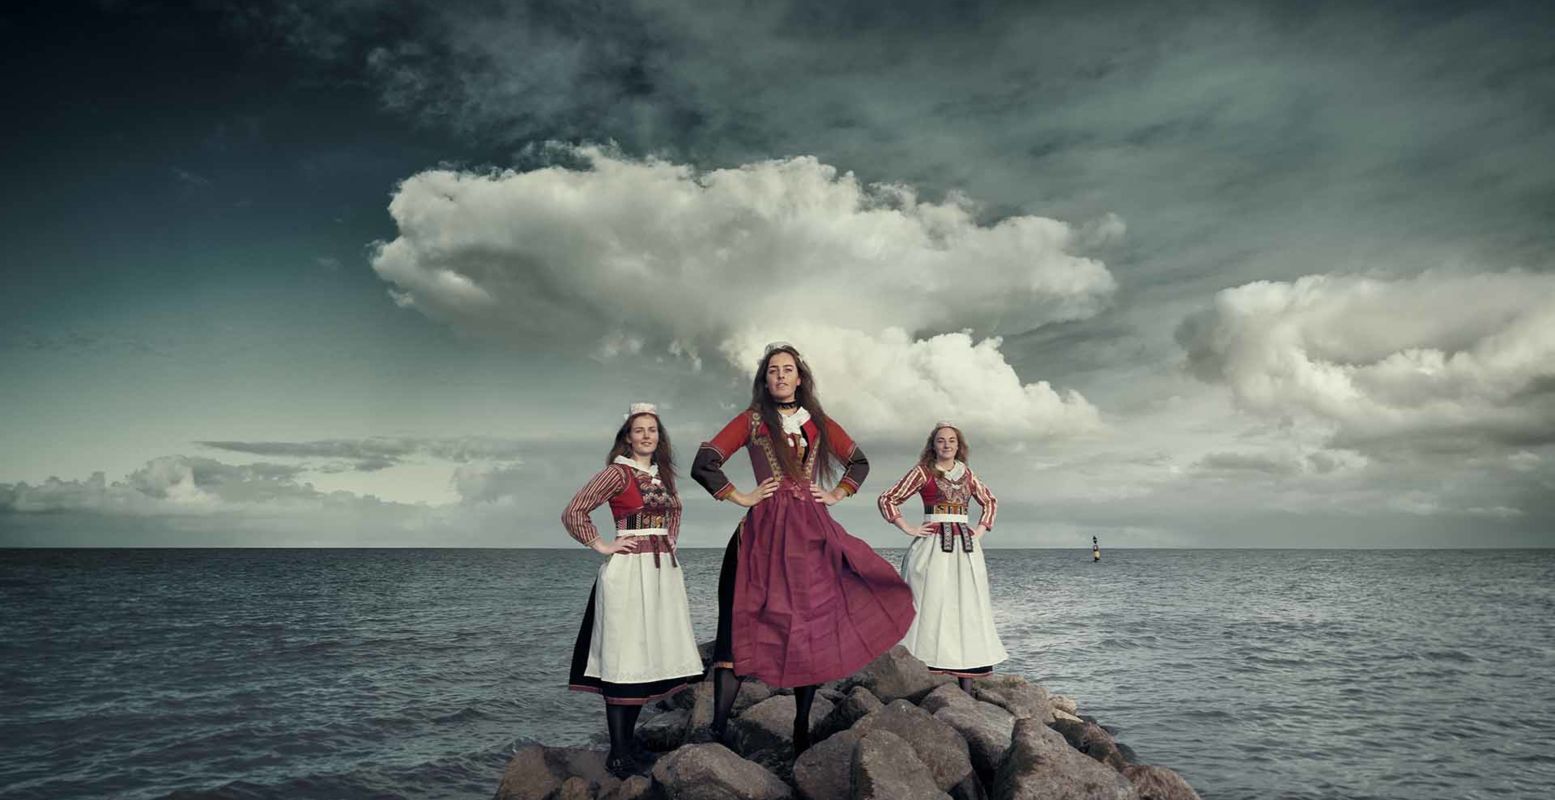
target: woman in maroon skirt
<point>800,602</point>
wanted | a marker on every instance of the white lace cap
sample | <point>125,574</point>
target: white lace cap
<point>774,346</point>
<point>641,408</point>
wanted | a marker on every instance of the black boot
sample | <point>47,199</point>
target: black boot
<point>726,687</point>
<point>622,760</point>
<point>804,696</point>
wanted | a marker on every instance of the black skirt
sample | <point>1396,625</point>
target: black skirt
<point>627,694</point>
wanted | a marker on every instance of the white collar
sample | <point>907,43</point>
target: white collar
<point>651,469</point>
<point>954,473</point>
<point>793,424</point>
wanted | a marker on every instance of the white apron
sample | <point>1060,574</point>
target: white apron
<point>642,623</point>
<point>954,626</point>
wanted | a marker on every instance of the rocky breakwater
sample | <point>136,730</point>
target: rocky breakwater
<point>892,731</point>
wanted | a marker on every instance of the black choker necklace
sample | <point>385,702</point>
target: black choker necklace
<point>788,406</point>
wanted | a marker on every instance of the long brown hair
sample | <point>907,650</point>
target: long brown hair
<point>664,455</point>
<point>927,458</point>
<point>805,395</point>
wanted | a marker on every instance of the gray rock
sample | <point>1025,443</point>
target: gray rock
<point>681,699</point>
<point>539,773</point>
<point>713,772</point>
<point>700,702</point>
<point>856,705</point>
<point>1090,739</point>
<point>752,692</point>
<point>937,744</point>
<point>701,716</point>
<point>576,788</point>
<point>666,730</point>
<point>985,726</point>
<point>769,725</point>
<point>1158,783</point>
<point>886,768</point>
<point>636,787</point>
<point>1016,695</point>
<point>825,770</point>
<point>897,675</point>
<point>1065,704</point>
<point>1040,765</point>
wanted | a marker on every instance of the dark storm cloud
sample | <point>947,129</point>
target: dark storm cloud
<point>1238,141</point>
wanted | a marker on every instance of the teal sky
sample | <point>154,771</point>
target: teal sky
<point>1191,275</point>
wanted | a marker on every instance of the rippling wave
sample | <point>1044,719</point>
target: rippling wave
<point>415,673</point>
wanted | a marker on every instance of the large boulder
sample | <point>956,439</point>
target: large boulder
<point>1016,695</point>
<point>539,773</point>
<point>985,727</point>
<point>768,726</point>
<point>886,768</point>
<point>576,788</point>
<point>825,771</point>
<point>700,702</point>
<point>1040,765</point>
<point>636,787</point>
<point>681,699</point>
<point>1158,783</point>
<point>896,675</point>
<point>1092,740</point>
<point>853,707</point>
<point>713,772</point>
<point>937,744</point>
<point>752,692</point>
<point>665,730</point>
<point>701,709</point>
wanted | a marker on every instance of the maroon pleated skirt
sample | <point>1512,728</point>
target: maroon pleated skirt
<point>810,602</point>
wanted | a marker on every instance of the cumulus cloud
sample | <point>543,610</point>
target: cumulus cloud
<point>1434,360</point>
<point>489,483</point>
<point>890,382</point>
<point>1239,464</point>
<point>630,255</point>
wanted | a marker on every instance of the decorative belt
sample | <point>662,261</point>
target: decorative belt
<point>654,540</point>
<point>643,520</point>
<point>951,526</point>
<point>945,508</point>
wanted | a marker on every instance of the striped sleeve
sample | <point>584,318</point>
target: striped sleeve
<point>985,499</point>
<point>892,498</point>
<point>598,491</point>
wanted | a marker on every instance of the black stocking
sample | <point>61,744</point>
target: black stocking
<point>966,684</point>
<point>803,697</point>
<point>725,688</point>
<point>622,722</point>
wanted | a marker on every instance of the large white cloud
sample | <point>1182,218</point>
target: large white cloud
<point>1434,358</point>
<point>628,255</point>
<point>889,382</point>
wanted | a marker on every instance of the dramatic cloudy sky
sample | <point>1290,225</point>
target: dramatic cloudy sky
<point>388,273</point>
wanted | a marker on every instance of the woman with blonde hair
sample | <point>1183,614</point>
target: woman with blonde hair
<point>954,631</point>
